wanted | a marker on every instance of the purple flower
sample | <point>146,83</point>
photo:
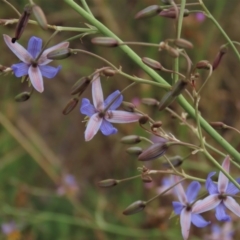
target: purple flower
<point>99,117</point>
<point>8,228</point>
<point>186,209</point>
<point>200,17</point>
<point>219,192</point>
<point>69,185</point>
<point>36,69</point>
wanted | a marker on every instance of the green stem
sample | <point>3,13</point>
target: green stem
<point>86,7</point>
<point>181,100</point>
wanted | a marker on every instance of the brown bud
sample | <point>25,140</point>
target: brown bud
<point>218,58</point>
<point>203,64</point>
<point>157,124</point>
<point>143,119</point>
<point>183,43</point>
<point>105,41</point>
<point>154,151</point>
<point>146,179</point>
<point>80,86</point>
<point>178,87</point>
<point>60,54</point>
<point>108,183</point>
<point>149,11</point>
<point>40,16</point>
<point>109,72</point>
<point>22,97</point>
<point>135,207</point>
<point>129,107</point>
<point>70,106</point>
<point>134,150</point>
<point>131,139</point>
<point>152,63</point>
<point>171,13</point>
<point>172,51</point>
<point>175,161</point>
<point>22,23</point>
<point>150,101</point>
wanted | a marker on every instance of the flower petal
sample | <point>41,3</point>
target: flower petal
<point>206,204</point>
<point>232,205</point>
<point>232,189</point>
<point>43,60</point>
<point>36,79</point>
<point>185,220</point>
<point>107,128</point>
<point>97,93</point>
<point>221,214</point>
<point>20,69</point>
<point>210,185</point>
<point>116,103</point>
<point>34,46</point>
<point>87,108</point>
<point>222,179</point>
<point>199,221</point>
<point>192,191</point>
<point>93,126</point>
<point>180,191</point>
<point>117,116</point>
<point>49,71</point>
<point>177,207</point>
<point>18,49</point>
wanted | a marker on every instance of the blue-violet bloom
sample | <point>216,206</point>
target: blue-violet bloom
<point>219,194</point>
<point>99,117</point>
<point>186,208</point>
<point>35,69</point>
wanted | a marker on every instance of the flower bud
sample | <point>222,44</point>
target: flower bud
<point>146,179</point>
<point>40,16</point>
<point>129,107</point>
<point>178,87</point>
<point>171,13</point>
<point>131,139</point>
<point>135,207</point>
<point>105,41</point>
<point>70,106</point>
<point>149,11</point>
<point>134,150</point>
<point>143,120</point>
<point>154,151</point>
<point>203,65</point>
<point>80,86</point>
<point>157,124</point>
<point>22,23</point>
<point>182,43</point>
<point>167,99</point>
<point>60,54</point>
<point>150,101</point>
<point>172,51</point>
<point>22,97</point>
<point>175,161</point>
<point>218,58</point>
<point>109,72</point>
<point>152,63</point>
<point>108,183</point>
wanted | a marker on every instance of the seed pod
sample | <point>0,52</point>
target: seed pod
<point>60,54</point>
<point>129,107</point>
<point>22,23</point>
<point>170,13</point>
<point>150,101</point>
<point>152,63</point>
<point>183,43</point>
<point>175,161</point>
<point>70,106</point>
<point>154,151</point>
<point>131,139</point>
<point>148,12</point>
<point>135,207</point>
<point>218,58</point>
<point>109,72</point>
<point>134,150</point>
<point>22,97</point>
<point>40,16</point>
<point>80,86</point>
<point>105,41</point>
<point>203,64</point>
<point>108,183</point>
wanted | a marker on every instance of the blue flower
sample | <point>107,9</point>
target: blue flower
<point>219,192</point>
<point>186,209</point>
<point>35,69</point>
<point>100,117</point>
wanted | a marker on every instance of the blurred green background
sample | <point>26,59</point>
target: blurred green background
<point>40,146</point>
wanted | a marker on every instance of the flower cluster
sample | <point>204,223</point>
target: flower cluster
<point>220,198</point>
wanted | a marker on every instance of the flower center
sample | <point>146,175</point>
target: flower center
<point>34,63</point>
<point>188,207</point>
<point>221,197</point>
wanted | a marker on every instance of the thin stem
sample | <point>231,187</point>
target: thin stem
<point>14,9</point>
<point>85,5</point>
<point>208,76</point>
<point>130,178</point>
